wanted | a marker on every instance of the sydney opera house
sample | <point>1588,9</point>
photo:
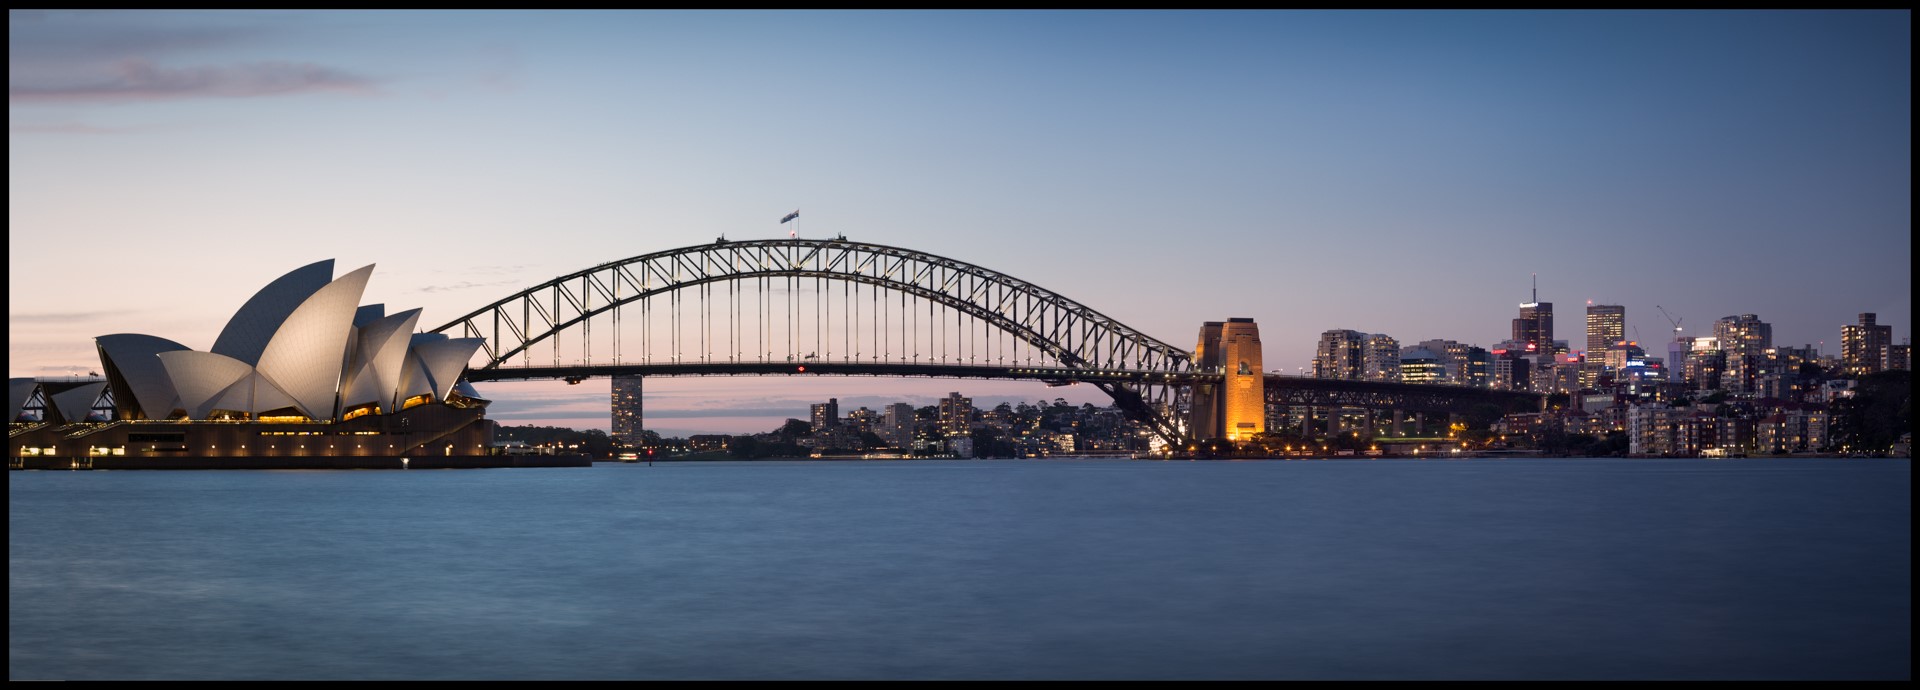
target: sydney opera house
<point>301,376</point>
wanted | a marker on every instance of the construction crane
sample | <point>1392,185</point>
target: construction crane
<point>1671,319</point>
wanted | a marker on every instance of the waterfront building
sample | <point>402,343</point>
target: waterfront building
<point>628,417</point>
<point>956,416</point>
<point>1654,430</point>
<point>1863,346</point>
<point>300,370</point>
<point>896,425</point>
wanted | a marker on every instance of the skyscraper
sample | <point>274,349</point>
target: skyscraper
<point>627,417</point>
<point>1535,325</point>
<point>1606,325</point>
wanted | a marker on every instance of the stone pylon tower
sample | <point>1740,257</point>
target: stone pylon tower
<point>1236,408</point>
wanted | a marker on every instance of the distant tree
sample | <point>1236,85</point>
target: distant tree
<point>1483,415</point>
<point>1880,410</point>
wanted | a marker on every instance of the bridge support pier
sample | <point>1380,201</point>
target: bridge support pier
<point>1420,424</point>
<point>1397,419</point>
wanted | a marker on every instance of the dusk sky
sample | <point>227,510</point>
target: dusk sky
<point>1391,172</point>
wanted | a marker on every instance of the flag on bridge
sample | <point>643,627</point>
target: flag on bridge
<point>790,216</point>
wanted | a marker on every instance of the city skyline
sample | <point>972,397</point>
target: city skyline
<point>1401,173</point>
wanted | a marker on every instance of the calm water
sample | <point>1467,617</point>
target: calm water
<point>970,569</point>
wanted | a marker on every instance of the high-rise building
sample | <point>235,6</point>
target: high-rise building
<point>627,417</point>
<point>1382,358</point>
<point>1237,410</point>
<point>1862,346</point>
<point>826,415</point>
<point>1355,356</point>
<point>896,425</point>
<point>956,415</point>
<point>1744,339</point>
<point>1606,325</point>
<point>1341,354</point>
<point>1896,357</point>
<point>1535,325</point>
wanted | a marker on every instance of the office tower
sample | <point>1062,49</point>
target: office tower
<point>1606,325</point>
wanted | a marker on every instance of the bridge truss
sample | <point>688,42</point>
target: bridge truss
<point>802,302</point>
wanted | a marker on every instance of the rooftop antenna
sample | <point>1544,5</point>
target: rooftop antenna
<point>1536,288</point>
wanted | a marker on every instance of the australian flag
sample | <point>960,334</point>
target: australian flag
<point>790,216</point>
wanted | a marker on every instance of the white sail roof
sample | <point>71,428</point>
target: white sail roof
<point>379,355</point>
<point>75,403</point>
<point>246,336</point>
<point>202,378</point>
<point>306,356</point>
<point>131,355</point>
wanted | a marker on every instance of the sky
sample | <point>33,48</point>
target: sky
<point>1405,173</point>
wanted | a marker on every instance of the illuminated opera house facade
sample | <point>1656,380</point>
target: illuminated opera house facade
<point>302,375</point>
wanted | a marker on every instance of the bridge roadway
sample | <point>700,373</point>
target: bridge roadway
<point>1280,389</point>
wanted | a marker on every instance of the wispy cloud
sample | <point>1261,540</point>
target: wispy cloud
<point>65,317</point>
<point>464,285</point>
<point>139,80</point>
<point>60,128</point>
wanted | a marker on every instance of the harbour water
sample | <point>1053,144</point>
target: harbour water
<point>1393,569</point>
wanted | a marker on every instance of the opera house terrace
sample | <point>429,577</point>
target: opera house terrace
<point>301,377</point>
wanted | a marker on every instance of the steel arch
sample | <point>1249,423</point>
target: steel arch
<point>1074,335</point>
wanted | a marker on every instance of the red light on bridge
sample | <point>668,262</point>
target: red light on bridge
<point>803,368</point>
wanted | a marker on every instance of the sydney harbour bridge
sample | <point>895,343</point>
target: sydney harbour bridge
<point>804,307</point>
